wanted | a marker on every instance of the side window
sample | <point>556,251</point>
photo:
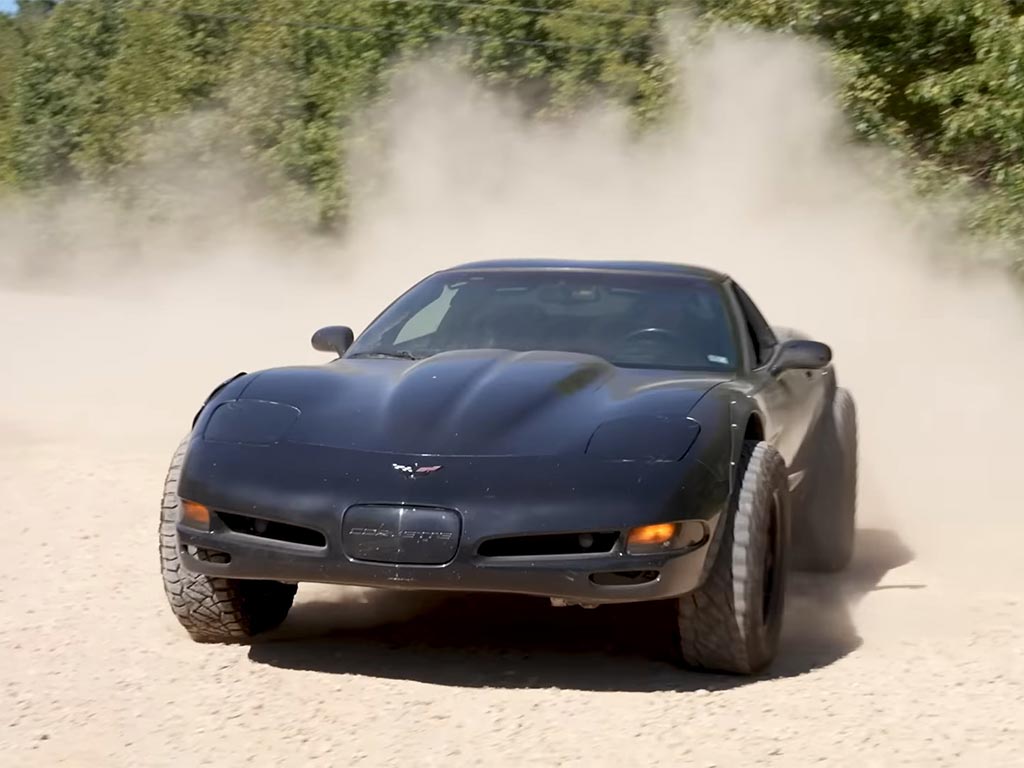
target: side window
<point>760,332</point>
<point>427,320</point>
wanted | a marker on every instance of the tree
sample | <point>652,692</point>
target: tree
<point>942,80</point>
<point>16,31</point>
<point>60,86</point>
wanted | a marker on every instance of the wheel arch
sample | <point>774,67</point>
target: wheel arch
<point>754,429</point>
<point>737,419</point>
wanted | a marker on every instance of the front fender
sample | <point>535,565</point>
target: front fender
<point>723,414</point>
<point>716,448</point>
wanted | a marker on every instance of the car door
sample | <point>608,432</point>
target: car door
<point>789,400</point>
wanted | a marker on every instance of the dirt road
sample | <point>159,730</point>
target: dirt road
<point>893,663</point>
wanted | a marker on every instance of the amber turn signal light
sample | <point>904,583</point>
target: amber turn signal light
<point>195,513</point>
<point>653,534</point>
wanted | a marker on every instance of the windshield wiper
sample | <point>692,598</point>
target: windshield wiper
<point>399,354</point>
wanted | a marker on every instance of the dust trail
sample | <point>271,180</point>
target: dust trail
<point>756,176</point>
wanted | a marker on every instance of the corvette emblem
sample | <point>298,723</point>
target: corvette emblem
<point>413,471</point>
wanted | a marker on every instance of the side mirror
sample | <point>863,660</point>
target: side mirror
<point>801,354</point>
<point>333,338</point>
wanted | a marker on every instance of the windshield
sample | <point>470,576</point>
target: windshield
<point>639,321</point>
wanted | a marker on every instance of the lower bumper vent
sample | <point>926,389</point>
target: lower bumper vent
<point>549,544</point>
<point>624,578</point>
<point>270,529</point>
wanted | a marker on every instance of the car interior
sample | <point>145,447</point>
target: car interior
<point>675,324</point>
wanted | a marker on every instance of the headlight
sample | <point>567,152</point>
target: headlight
<point>644,438</point>
<point>253,422</point>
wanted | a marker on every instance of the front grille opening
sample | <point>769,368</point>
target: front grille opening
<point>623,578</point>
<point>270,529</point>
<point>549,544</point>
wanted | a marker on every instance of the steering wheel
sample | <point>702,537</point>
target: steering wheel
<point>657,334</point>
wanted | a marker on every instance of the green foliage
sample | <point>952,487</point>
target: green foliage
<point>11,46</point>
<point>15,34</point>
<point>83,83</point>
<point>615,53</point>
<point>60,88</point>
<point>294,88</point>
<point>942,80</point>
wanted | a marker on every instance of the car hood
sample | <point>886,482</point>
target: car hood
<point>473,403</point>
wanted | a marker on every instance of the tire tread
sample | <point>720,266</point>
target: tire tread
<point>210,608</point>
<point>714,621</point>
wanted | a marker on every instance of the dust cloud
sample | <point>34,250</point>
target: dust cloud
<point>754,174</point>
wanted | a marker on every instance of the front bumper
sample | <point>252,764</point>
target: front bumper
<point>570,577</point>
<point>493,498</point>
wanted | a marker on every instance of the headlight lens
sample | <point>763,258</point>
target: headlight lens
<point>644,438</point>
<point>252,422</point>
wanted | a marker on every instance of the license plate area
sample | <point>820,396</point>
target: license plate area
<point>400,535</point>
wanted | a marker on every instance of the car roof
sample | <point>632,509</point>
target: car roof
<point>648,267</point>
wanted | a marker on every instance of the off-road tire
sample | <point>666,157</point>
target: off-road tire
<point>213,609</point>
<point>824,531</point>
<point>731,623</point>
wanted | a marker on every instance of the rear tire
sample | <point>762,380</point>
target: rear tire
<point>823,534</point>
<point>732,622</point>
<point>213,609</point>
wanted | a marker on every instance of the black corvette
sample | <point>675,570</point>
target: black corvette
<point>588,432</point>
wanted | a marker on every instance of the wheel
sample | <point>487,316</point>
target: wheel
<point>732,622</point>
<point>213,609</point>
<point>823,533</point>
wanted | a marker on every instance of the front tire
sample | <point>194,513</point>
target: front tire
<point>733,621</point>
<point>213,609</point>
